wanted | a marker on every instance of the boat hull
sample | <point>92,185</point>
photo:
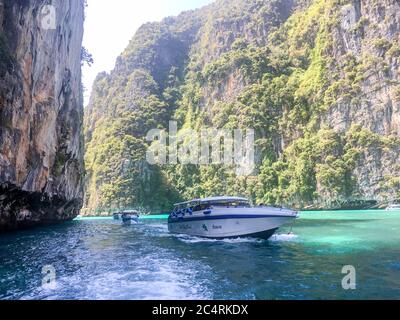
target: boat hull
<point>393,208</point>
<point>226,226</point>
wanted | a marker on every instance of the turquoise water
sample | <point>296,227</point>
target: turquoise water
<point>101,259</point>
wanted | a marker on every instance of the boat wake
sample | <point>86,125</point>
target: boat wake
<point>192,239</point>
<point>158,230</point>
<point>285,237</point>
<point>161,227</point>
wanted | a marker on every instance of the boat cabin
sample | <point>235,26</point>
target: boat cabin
<point>210,203</point>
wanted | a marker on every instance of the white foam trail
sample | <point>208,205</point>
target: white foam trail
<point>153,279</point>
<point>286,237</point>
<point>192,239</point>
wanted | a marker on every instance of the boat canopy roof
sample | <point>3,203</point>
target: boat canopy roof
<point>213,199</point>
<point>130,212</point>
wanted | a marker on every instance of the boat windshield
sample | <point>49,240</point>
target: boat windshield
<point>184,206</point>
<point>229,204</point>
<point>199,205</point>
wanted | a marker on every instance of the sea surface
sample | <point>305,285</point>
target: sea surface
<point>102,259</point>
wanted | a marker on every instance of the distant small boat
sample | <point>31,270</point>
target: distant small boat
<point>393,207</point>
<point>130,216</point>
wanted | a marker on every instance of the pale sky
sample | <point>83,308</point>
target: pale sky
<point>110,24</point>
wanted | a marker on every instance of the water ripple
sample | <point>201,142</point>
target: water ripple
<point>101,259</point>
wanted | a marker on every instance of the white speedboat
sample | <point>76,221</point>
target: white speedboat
<point>393,207</point>
<point>227,217</point>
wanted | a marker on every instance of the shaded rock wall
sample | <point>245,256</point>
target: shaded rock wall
<point>41,111</point>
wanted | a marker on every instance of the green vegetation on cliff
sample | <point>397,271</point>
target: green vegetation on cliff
<point>318,81</point>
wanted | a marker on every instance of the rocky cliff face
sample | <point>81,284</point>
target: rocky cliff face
<point>41,111</point>
<point>367,36</point>
<point>318,81</point>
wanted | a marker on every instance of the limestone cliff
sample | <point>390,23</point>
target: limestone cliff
<point>41,111</point>
<point>318,81</point>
